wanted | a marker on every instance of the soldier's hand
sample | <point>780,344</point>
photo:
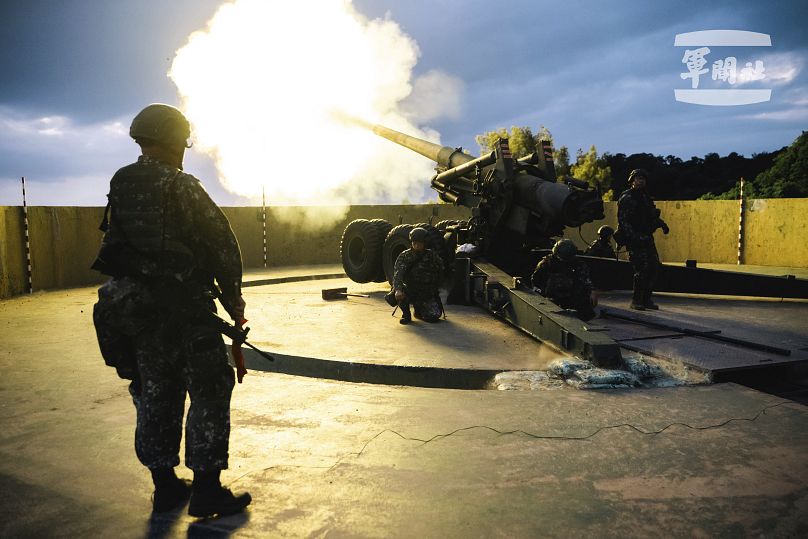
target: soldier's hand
<point>665,228</point>
<point>236,310</point>
<point>400,295</point>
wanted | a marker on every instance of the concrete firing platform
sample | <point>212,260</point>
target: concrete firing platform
<point>356,339</point>
<point>292,319</point>
<point>327,458</point>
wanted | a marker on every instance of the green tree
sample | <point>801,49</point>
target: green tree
<point>593,170</point>
<point>520,140</point>
<point>561,158</point>
<point>788,176</point>
<point>523,141</point>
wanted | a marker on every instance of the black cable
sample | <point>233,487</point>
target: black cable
<point>580,233</point>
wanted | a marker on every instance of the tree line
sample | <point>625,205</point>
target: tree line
<point>779,174</point>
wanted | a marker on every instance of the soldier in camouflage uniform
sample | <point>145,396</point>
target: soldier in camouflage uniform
<point>416,278</point>
<point>166,242</point>
<point>564,280</point>
<point>602,246</point>
<point>638,219</point>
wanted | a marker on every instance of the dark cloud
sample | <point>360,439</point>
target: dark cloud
<point>595,73</point>
<point>92,58</point>
<point>598,73</point>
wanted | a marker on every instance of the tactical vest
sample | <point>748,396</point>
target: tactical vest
<point>142,239</point>
<point>560,280</point>
<point>643,215</point>
<point>422,279</point>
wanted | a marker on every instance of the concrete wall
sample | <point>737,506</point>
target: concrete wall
<point>775,231</point>
<point>64,240</point>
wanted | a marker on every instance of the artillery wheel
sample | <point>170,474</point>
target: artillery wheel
<point>398,240</point>
<point>446,223</point>
<point>384,228</point>
<point>361,250</point>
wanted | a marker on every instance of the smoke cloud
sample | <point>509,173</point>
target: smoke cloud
<point>264,85</point>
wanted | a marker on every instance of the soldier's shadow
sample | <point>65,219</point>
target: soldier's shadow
<point>217,528</point>
<point>163,524</point>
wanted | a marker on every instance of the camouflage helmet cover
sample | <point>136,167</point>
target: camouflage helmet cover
<point>418,234</point>
<point>564,249</point>
<point>637,172</point>
<point>605,231</point>
<point>161,123</point>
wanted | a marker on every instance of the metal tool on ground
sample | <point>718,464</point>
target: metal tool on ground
<point>330,294</point>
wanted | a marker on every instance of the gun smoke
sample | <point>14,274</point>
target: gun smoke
<point>266,86</point>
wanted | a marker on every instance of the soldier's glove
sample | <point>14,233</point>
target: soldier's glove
<point>665,228</point>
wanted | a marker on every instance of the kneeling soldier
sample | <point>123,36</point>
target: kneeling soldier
<point>564,280</point>
<point>602,246</point>
<point>416,277</point>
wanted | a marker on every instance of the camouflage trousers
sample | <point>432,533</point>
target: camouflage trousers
<point>645,259</point>
<point>428,310</point>
<point>173,360</point>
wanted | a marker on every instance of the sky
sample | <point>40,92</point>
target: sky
<point>75,72</point>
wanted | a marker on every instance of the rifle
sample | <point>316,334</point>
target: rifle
<point>238,334</point>
<point>182,302</point>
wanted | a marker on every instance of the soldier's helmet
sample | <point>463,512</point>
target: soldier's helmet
<point>564,249</point>
<point>162,124</point>
<point>605,232</point>
<point>637,172</point>
<point>418,234</point>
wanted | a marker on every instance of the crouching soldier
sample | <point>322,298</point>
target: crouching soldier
<point>416,277</point>
<point>602,246</point>
<point>564,280</point>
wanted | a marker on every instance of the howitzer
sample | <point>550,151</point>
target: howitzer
<point>516,206</point>
<point>515,203</point>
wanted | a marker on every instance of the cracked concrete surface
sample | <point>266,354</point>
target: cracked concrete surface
<point>326,458</point>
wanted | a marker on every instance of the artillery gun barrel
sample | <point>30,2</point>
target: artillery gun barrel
<point>444,156</point>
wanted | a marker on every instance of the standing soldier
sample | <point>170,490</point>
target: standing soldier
<point>638,218</point>
<point>563,279</point>
<point>416,277</point>
<point>602,246</point>
<point>165,243</point>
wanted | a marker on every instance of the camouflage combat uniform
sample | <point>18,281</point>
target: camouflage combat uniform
<point>600,247</point>
<point>567,284</point>
<point>419,275</point>
<point>165,244</point>
<point>638,218</point>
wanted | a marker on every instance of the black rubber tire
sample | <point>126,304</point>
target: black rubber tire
<point>443,224</point>
<point>398,239</point>
<point>361,250</point>
<point>384,228</point>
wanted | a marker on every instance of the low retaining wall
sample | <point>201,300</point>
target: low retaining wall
<point>64,240</point>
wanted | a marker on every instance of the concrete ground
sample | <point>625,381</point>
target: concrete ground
<point>326,458</point>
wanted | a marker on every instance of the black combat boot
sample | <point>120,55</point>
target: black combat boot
<point>170,492</point>
<point>209,498</point>
<point>406,317</point>
<point>648,303</point>
<point>637,298</point>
